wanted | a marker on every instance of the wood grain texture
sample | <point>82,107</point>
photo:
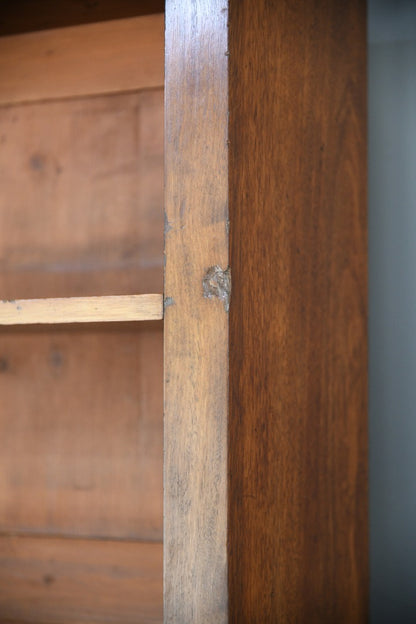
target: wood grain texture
<point>82,310</point>
<point>81,60</point>
<point>62,581</point>
<point>81,430</point>
<point>196,328</point>
<point>81,197</point>
<point>18,16</point>
<point>298,544</point>
<point>81,213</point>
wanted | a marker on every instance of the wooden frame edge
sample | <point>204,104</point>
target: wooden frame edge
<point>196,320</point>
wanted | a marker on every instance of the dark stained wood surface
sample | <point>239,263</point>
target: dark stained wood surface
<point>196,328</point>
<point>18,16</point>
<point>69,581</point>
<point>298,543</point>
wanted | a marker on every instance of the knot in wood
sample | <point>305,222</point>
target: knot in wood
<point>217,283</point>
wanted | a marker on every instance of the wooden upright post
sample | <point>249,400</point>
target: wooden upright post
<point>266,140</point>
<point>196,327</point>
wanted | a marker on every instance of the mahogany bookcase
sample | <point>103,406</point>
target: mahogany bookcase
<point>194,176</point>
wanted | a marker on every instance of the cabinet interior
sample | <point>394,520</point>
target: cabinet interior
<point>81,416</point>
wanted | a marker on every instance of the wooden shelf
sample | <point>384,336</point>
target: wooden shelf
<point>147,307</point>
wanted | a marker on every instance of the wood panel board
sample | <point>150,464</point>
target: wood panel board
<point>298,365</point>
<point>81,197</point>
<point>109,57</point>
<point>18,16</point>
<point>62,581</point>
<point>81,431</point>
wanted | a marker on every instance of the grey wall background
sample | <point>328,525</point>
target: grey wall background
<point>392,317</point>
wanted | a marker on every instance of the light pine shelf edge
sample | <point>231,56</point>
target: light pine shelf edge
<point>147,307</point>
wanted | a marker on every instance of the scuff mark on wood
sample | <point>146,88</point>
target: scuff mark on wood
<point>167,226</point>
<point>168,301</point>
<point>217,283</point>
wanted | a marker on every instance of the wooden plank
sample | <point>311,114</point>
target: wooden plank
<point>18,16</point>
<point>196,328</point>
<point>81,197</point>
<point>81,430</point>
<point>62,581</point>
<point>298,363</point>
<point>82,310</point>
<point>81,60</point>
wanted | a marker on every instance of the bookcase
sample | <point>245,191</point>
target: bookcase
<point>183,312</point>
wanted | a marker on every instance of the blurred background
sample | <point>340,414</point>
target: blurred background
<point>392,322</point>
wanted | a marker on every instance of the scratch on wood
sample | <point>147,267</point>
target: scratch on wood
<point>217,283</point>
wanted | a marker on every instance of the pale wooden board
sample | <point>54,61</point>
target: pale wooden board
<point>108,57</point>
<point>81,431</point>
<point>66,581</point>
<point>196,329</point>
<point>81,197</point>
<point>82,309</point>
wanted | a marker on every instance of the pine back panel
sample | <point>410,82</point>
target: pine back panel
<point>81,213</point>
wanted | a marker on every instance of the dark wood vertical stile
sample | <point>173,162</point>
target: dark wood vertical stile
<point>298,356</point>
